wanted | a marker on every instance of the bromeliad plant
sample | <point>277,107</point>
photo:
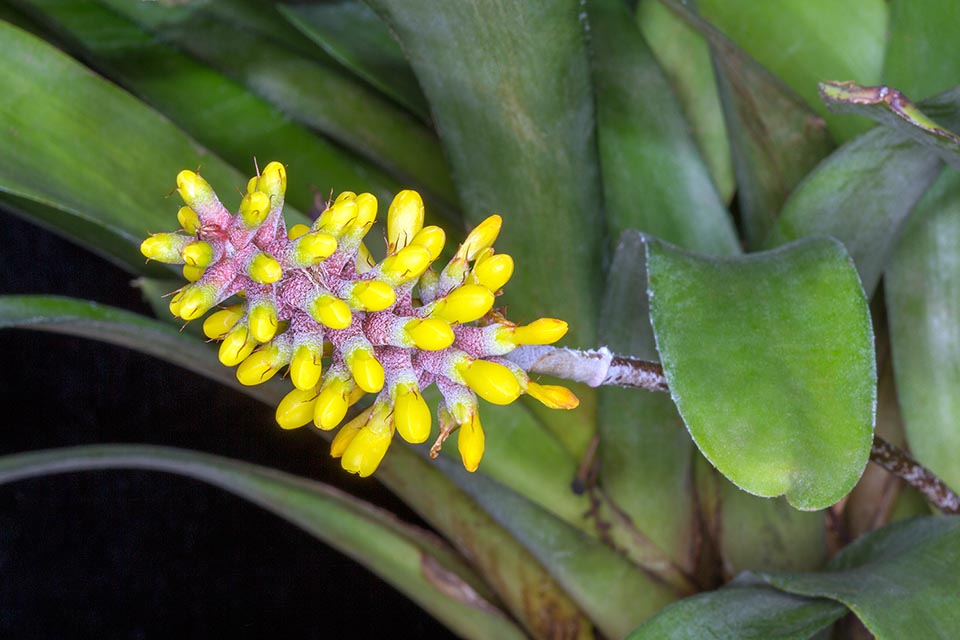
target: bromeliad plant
<point>684,185</point>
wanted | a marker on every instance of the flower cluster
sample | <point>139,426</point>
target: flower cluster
<point>313,300</point>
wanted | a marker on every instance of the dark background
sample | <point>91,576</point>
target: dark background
<point>130,554</point>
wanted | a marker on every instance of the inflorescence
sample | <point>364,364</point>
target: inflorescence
<point>313,300</point>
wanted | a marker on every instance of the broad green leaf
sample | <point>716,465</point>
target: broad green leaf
<point>923,56</point>
<point>775,138</point>
<point>901,581</point>
<point>922,288</point>
<point>614,593</point>
<point>81,146</point>
<point>685,59</point>
<point>804,42</point>
<point>520,581</point>
<point>893,109</point>
<point>741,612</point>
<point>353,34</point>
<point>770,361</point>
<point>861,195</point>
<point>408,558</point>
<point>509,88</point>
<point>216,111</point>
<point>311,92</point>
<point>654,178</point>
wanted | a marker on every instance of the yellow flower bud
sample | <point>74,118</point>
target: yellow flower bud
<point>470,442</point>
<point>236,346</point>
<point>404,220</point>
<point>365,260</point>
<point>332,404</point>
<point>175,303</point>
<point>219,323</point>
<point>297,231</point>
<point>345,195</point>
<point>430,334</point>
<point>195,191</point>
<point>465,304</point>
<point>196,301</point>
<point>430,238</point>
<point>482,237</point>
<point>305,367</point>
<point>494,272</point>
<point>273,180</point>
<point>372,295</point>
<point>296,408</point>
<point>165,247</point>
<point>263,321</point>
<point>335,219</point>
<point>198,254</point>
<point>191,273</point>
<point>260,366</point>
<point>188,219</point>
<point>254,209</point>
<point>366,450</point>
<point>330,311</point>
<point>366,370</point>
<point>411,415</point>
<point>553,396</point>
<point>492,381</point>
<point>349,431</point>
<point>252,184</point>
<point>542,331</point>
<point>264,269</point>
<point>406,264</point>
<point>314,247</point>
<point>366,212</point>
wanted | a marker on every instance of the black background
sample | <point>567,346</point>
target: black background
<point>129,554</point>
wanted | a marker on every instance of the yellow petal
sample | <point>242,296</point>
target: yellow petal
<point>165,247</point>
<point>188,219</point>
<point>404,220</point>
<point>259,366</point>
<point>296,408</point>
<point>349,431</point>
<point>297,230</point>
<point>430,238</point>
<point>465,304</point>
<point>492,381</point>
<point>191,273</point>
<point>407,264</point>
<point>553,396</point>
<point>236,346</point>
<point>198,254</point>
<point>330,311</point>
<point>264,269</point>
<point>219,323</point>
<point>430,334</point>
<point>372,295</point>
<point>254,209</point>
<point>366,370</point>
<point>305,368</point>
<point>196,301</point>
<point>195,191</point>
<point>481,237</point>
<point>366,211</point>
<point>365,451</point>
<point>315,247</point>
<point>273,180</point>
<point>411,415</point>
<point>494,272</point>
<point>332,404</point>
<point>542,331</point>
<point>263,322</point>
<point>335,219</point>
<point>470,443</point>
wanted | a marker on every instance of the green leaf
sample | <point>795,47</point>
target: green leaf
<point>893,109</point>
<point>220,113</point>
<point>614,593</point>
<point>923,56</point>
<point>509,88</point>
<point>353,34</point>
<point>804,42</point>
<point>521,582</point>
<point>654,179</point>
<point>318,95</point>
<point>81,146</point>
<point>408,558</point>
<point>770,361</point>
<point>685,59</point>
<point>861,195</point>
<point>922,288</point>
<point>741,612</point>
<point>774,136</point>
<point>901,581</point>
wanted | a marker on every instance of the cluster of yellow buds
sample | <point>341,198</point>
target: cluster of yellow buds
<point>313,300</point>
